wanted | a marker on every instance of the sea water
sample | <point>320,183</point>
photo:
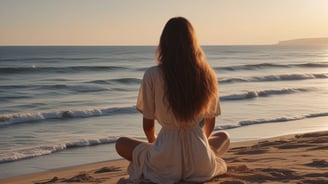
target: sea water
<point>60,101</point>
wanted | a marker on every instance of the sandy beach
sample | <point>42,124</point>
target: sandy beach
<point>300,158</point>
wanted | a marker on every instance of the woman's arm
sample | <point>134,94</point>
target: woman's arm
<point>208,126</point>
<point>149,129</point>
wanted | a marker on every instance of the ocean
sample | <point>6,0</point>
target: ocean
<point>67,105</point>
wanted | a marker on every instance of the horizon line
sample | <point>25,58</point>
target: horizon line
<point>124,45</point>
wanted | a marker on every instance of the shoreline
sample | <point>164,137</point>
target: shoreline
<point>295,158</point>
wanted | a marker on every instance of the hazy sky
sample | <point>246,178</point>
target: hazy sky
<point>140,22</point>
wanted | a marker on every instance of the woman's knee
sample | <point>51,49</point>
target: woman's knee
<point>222,135</point>
<point>120,144</point>
<point>125,146</point>
<point>219,142</point>
<point>219,139</point>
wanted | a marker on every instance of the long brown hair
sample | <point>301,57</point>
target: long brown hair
<point>190,83</point>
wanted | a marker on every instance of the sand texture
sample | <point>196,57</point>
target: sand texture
<point>301,158</point>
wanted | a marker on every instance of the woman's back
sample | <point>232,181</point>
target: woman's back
<point>189,82</point>
<point>179,92</point>
<point>152,100</point>
<point>181,150</point>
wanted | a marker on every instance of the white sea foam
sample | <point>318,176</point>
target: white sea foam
<point>9,119</point>
<point>261,93</point>
<point>49,149</point>
<point>274,120</point>
<point>46,149</point>
<point>16,118</point>
<point>281,77</point>
<point>259,66</point>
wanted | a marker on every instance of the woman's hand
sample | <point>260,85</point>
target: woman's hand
<point>149,129</point>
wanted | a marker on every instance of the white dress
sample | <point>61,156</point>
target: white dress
<point>179,153</point>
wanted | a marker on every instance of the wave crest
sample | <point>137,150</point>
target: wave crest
<point>49,149</point>
<point>270,65</point>
<point>16,118</point>
<point>68,69</point>
<point>46,150</point>
<point>282,77</point>
<point>274,120</point>
<point>263,93</point>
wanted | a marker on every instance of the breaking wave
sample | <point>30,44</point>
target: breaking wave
<point>46,149</point>
<point>282,77</point>
<point>17,118</point>
<point>269,66</point>
<point>8,119</point>
<point>275,120</point>
<point>262,93</point>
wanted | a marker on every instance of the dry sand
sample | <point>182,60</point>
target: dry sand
<point>299,158</point>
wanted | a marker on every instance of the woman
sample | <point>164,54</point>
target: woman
<point>181,93</point>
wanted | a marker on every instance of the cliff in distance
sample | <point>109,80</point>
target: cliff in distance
<point>305,41</point>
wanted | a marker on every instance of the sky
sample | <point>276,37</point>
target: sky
<point>140,22</point>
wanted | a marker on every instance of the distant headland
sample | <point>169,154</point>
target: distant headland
<point>305,41</point>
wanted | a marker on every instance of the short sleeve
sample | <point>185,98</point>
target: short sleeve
<point>146,98</point>
<point>214,108</point>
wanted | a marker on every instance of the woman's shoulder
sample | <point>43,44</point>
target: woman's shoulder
<point>152,71</point>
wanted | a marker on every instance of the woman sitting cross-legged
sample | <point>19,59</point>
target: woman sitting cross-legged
<point>181,93</point>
